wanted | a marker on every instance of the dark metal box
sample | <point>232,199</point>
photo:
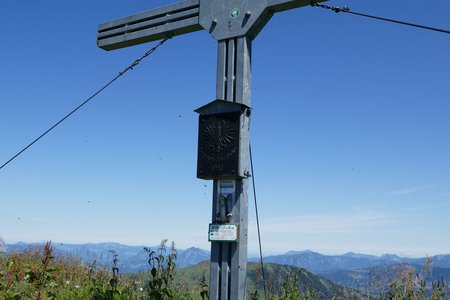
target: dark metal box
<point>220,144</point>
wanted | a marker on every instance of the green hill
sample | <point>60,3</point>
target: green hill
<point>277,278</point>
<point>377,279</point>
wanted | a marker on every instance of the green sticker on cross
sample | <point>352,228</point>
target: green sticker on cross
<point>235,13</point>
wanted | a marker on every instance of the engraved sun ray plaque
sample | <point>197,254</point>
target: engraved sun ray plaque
<point>219,140</point>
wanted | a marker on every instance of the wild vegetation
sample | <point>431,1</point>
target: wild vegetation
<point>37,274</point>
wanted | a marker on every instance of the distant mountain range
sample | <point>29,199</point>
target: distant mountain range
<point>316,262</point>
<point>134,258</point>
<point>368,274</point>
<point>131,258</point>
<point>333,274</point>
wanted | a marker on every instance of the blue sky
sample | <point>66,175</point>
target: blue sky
<point>350,130</point>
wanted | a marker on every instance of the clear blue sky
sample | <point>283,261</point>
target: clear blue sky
<point>350,130</point>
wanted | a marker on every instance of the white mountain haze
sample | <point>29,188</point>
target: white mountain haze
<point>134,258</point>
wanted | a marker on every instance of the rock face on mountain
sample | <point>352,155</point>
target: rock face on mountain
<point>192,256</point>
<point>2,245</point>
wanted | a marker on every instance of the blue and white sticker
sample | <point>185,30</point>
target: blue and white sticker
<point>227,186</point>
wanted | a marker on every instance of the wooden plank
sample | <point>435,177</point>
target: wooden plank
<point>225,271</point>
<point>243,70</point>
<point>151,14</point>
<point>230,93</point>
<point>221,84</point>
<point>238,282</point>
<point>150,34</point>
<point>126,28</point>
<point>214,270</point>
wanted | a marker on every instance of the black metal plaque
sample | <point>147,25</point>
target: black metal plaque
<point>218,145</point>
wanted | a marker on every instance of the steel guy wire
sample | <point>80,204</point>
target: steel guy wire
<point>257,223</point>
<point>346,9</point>
<point>130,67</point>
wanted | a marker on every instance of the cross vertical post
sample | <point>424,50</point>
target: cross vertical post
<point>224,158</point>
<point>229,261</point>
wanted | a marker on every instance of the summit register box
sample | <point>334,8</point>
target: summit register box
<point>221,147</point>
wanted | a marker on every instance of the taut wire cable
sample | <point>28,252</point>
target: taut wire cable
<point>130,67</point>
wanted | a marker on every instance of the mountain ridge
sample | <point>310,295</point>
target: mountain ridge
<point>317,262</point>
<point>134,258</point>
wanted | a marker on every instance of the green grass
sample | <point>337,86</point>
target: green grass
<point>38,275</point>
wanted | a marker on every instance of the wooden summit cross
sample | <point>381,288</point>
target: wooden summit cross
<point>223,154</point>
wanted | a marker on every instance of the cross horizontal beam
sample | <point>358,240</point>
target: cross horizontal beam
<point>167,21</point>
<point>193,15</point>
<point>282,5</point>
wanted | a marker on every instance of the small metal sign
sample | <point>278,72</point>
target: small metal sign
<point>227,186</point>
<point>225,233</point>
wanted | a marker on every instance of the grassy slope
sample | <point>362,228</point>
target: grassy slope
<point>376,279</point>
<point>276,275</point>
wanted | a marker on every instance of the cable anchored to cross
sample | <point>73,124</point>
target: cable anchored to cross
<point>130,67</point>
<point>346,9</point>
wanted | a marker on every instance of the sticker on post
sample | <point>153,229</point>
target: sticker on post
<point>223,233</point>
<point>235,12</point>
<point>227,186</point>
